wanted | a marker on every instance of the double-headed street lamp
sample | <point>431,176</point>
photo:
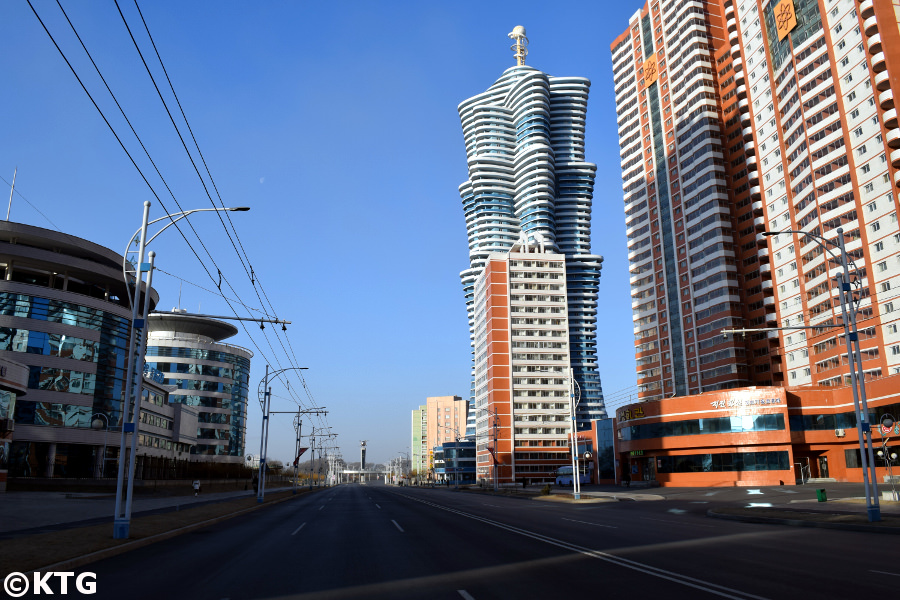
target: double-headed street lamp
<point>857,375</point>
<point>574,389</point>
<point>122,516</point>
<point>888,455</point>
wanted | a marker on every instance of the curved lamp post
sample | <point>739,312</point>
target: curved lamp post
<point>265,402</point>
<point>122,516</point>
<point>857,376</point>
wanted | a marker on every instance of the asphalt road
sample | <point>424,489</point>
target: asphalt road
<point>374,541</point>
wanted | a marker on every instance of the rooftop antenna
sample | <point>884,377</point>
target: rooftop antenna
<point>520,48</point>
<point>12,189</point>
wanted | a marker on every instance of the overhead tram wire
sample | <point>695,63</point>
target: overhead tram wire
<point>139,170</point>
<point>249,272</point>
<point>254,279</point>
<point>116,135</point>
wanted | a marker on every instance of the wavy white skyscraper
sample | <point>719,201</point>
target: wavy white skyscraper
<point>524,141</point>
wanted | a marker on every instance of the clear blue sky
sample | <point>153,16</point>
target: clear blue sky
<point>336,122</point>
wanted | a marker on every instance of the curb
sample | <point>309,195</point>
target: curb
<point>85,559</point>
<point>802,523</point>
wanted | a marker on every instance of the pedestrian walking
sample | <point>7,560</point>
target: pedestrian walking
<point>196,487</point>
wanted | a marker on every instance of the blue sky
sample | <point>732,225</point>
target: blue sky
<point>336,123</point>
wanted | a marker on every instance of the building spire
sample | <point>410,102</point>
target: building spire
<point>520,48</point>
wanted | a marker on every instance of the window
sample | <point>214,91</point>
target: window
<point>852,95</point>
<point>879,246</point>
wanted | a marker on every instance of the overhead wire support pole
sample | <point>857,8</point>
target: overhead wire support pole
<point>265,400</point>
<point>231,318</point>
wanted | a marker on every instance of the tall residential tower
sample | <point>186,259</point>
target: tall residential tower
<point>524,141</point>
<point>739,118</point>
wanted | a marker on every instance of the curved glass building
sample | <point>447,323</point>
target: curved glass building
<point>208,374</point>
<point>524,141</point>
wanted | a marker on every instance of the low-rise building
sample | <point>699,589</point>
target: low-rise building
<point>753,436</point>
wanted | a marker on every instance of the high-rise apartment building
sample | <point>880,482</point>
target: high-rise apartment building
<point>528,177</point>
<point>419,442</point>
<point>522,362</point>
<point>741,117</point>
<point>445,421</point>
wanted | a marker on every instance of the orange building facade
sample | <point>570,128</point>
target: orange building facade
<point>753,436</point>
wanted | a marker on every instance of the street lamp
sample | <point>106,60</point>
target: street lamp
<point>857,376</point>
<point>96,424</point>
<point>457,437</point>
<point>573,403</point>
<point>122,516</point>
<point>885,454</point>
<point>265,402</point>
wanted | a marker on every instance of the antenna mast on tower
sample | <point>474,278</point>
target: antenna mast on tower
<point>520,48</point>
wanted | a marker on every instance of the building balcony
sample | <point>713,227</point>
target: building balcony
<point>754,191</point>
<point>890,118</point>
<point>761,240</point>
<point>886,99</point>
<point>893,138</point>
<point>870,26</point>
<point>882,81</point>
<point>741,91</point>
<point>771,318</point>
<point>759,223</point>
<point>874,43</point>
<point>757,207</point>
<point>729,10</point>
<point>731,24</point>
<point>866,9</point>
<point>895,156</point>
<point>748,133</point>
<point>769,301</point>
<point>767,285</point>
<point>749,148</point>
<point>751,161</point>
<point>878,62</point>
<point>738,64</point>
<point>766,268</point>
<point>896,177</point>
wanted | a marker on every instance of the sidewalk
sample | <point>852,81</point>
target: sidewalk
<point>26,513</point>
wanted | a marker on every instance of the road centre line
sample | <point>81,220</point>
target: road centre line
<point>299,528</point>
<point>589,523</point>
<point>884,572</point>
<point>379,507</point>
<point>397,525</point>
<point>686,580</point>
<point>465,594</point>
<point>321,507</point>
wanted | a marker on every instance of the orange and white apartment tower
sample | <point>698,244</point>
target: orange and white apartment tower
<point>522,383</point>
<point>739,118</point>
<point>445,422</point>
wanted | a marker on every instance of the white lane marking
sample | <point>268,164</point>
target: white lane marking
<point>493,505</point>
<point>752,492</point>
<point>589,523</point>
<point>465,594</point>
<point>700,502</point>
<point>397,525</point>
<point>713,588</point>
<point>676,511</point>
<point>321,507</point>
<point>884,572</point>
<point>299,528</point>
<point>376,504</point>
